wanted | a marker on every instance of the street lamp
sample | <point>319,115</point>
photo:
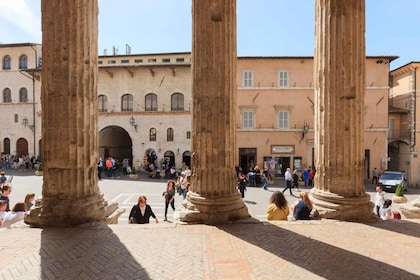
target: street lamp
<point>25,121</point>
<point>133,123</point>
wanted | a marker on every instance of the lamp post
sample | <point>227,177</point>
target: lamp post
<point>133,123</point>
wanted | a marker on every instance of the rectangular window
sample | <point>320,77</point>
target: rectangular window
<point>151,60</point>
<point>283,121</point>
<point>125,61</point>
<point>247,79</point>
<point>138,61</point>
<point>283,78</point>
<point>188,134</point>
<point>100,62</point>
<point>247,119</point>
<point>166,60</point>
<point>180,59</point>
<point>390,128</point>
<point>111,61</point>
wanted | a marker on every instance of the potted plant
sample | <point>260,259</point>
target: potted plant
<point>133,173</point>
<point>38,171</point>
<point>399,195</point>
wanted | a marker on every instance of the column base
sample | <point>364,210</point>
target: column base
<point>215,210</point>
<point>58,212</point>
<point>334,206</point>
<point>411,210</point>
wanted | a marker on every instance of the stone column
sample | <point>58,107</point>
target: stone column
<point>70,192</point>
<point>214,197</point>
<point>339,74</point>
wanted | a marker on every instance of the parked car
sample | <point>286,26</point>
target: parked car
<point>390,179</point>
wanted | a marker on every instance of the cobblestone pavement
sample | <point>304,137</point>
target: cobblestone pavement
<point>249,249</point>
<point>319,249</point>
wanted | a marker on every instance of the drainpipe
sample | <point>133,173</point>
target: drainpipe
<point>33,98</point>
<point>415,105</point>
<point>413,120</point>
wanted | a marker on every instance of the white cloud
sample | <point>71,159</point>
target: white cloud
<point>20,18</point>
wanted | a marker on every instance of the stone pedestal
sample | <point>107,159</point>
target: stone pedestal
<point>411,210</point>
<point>339,71</point>
<point>214,197</point>
<point>399,199</point>
<point>70,190</point>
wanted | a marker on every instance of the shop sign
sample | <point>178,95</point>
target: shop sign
<point>283,149</point>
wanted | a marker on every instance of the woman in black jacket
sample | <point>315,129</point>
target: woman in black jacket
<point>141,212</point>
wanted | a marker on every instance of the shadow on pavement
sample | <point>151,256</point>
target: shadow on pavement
<point>86,253</point>
<point>320,258</point>
<point>400,226</point>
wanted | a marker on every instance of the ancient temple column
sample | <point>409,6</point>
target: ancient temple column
<point>339,71</point>
<point>214,197</point>
<point>70,192</point>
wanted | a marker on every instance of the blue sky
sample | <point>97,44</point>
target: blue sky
<point>264,28</point>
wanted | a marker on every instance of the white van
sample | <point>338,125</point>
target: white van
<point>390,179</point>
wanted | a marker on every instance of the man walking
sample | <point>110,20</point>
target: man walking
<point>288,178</point>
<point>374,176</point>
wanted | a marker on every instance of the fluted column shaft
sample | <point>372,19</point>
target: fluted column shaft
<point>214,79</point>
<point>69,124</point>
<point>339,102</point>
<point>214,197</point>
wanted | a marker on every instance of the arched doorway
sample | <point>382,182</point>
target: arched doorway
<point>6,146</point>
<point>21,147</point>
<point>186,158</point>
<point>169,157</point>
<point>150,158</point>
<point>115,141</point>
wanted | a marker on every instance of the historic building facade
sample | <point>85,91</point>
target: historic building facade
<point>20,108</point>
<point>275,109</point>
<point>403,134</point>
<point>145,103</point>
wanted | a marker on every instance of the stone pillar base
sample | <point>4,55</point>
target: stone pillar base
<point>215,210</point>
<point>56,212</point>
<point>411,210</point>
<point>333,206</point>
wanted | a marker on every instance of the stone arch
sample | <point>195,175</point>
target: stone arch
<point>169,157</point>
<point>186,157</point>
<point>114,141</point>
<point>6,146</point>
<point>21,147</point>
<point>150,157</point>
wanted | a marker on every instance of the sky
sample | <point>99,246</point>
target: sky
<point>264,27</point>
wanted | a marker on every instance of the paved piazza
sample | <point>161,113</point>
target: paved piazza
<point>250,249</point>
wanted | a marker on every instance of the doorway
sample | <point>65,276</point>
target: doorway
<point>247,158</point>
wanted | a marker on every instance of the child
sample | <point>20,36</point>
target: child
<point>385,211</point>
<point>29,200</point>
<point>379,199</point>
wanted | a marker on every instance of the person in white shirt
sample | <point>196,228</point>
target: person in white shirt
<point>3,205</point>
<point>288,178</point>
<point>379,199</point>
<point>16,215</point>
